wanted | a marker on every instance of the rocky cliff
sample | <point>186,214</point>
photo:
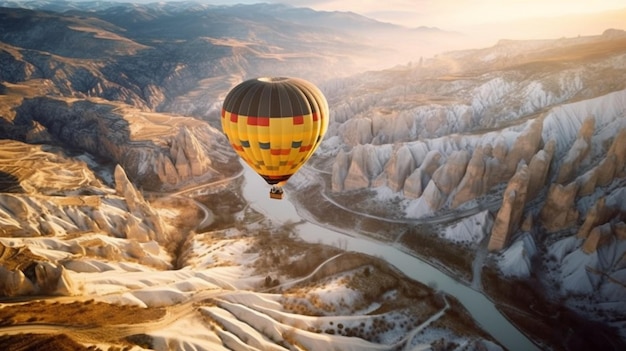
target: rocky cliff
<point>69,203</point>
<point>559,145</point>
<point>158,151</point>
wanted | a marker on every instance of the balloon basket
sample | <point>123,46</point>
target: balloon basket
<point>276,193</point>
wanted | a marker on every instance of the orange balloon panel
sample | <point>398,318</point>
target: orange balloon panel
<point>275,124</point>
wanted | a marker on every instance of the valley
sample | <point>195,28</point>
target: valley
<point>462,200</point>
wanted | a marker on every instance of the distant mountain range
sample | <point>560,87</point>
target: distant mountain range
<point>190,48</point>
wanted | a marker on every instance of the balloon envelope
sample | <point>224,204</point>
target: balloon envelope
<point>275,124</point>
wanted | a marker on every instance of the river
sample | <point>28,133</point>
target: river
<point>480,307</point>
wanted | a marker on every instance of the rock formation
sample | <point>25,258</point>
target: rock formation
<point>145,221</point>
<point>538,169</point>
<point>598,214</point>
<point>503,160</point>
<point>510,214</point>
<point>364,164</point>
<point>558,211</point>
<point>53,280</point>
<point>48,278</point>
<point>157,151</point>
<point>413,187</point>
<point>358,176</point>
<point>433,197</point>
<point>340,170</point>
<point>397,170</point>
<point>618,149</point>
<point>597,238</point>
<point>357,131</point>
<point>525,146</point>
<point>14,283</point>
<point>418,180</point>
<point>474,182</point>
<point>576,153</point>
<point>448,176</point>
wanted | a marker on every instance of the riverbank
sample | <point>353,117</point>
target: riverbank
<point>520,302</point>
<point>350,237</point>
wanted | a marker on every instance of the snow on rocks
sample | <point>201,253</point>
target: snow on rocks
<point>470,229</point>
<point>515,261</point>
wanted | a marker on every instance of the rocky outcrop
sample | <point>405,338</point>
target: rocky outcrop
<point>143,221</point>
<point>397,170</point>
<point>577,152</point>
<point>448,176</point>
<point>15,283</point>
<point>157,151</point>
<point>538,169</point>
<point>358,176</point>
<point>609,168</point>
<point>77,203</point>
<point>618,149</point>
<point>443,181</point>
<point>504,160</point>
<point>598,214</point>
<point>598,237</point>
<point>48,278</point>
<point>558,211</point>
<point>433,197</point>
<point>52,279</point>
<point>13,69</point>
<point>474,182</point>
<point>604,211</point>
<point>364,164</point>
<point>357,131</point>
<point>414,185</point>
<point>510,214</point>
<point>340,170</point>
<point>525,146</point>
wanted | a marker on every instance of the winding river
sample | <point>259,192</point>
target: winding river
<point>480,307</point>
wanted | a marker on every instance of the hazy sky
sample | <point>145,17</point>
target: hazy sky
<point>452,14</point>
<point>483,20</point>
<point>459,12</point>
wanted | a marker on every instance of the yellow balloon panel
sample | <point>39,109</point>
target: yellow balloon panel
<point>274,147</point>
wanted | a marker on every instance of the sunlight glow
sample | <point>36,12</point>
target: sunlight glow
<point>453,13</point>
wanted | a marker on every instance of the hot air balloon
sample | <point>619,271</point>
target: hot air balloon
<point>275,124</point>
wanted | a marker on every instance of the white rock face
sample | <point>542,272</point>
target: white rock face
<point>54,280</point>
<point>340,170</point>
<point>398,169</point>
<point>448,176</point>
<point>14,283</point>
<point>366,162</point>
<point>475,180</point>
<point>144,223</point>
<point>515,261</point>
<point>357,131</point>
<point>470,229</point>
<point>413,184</point>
